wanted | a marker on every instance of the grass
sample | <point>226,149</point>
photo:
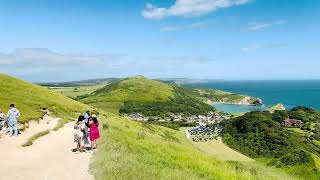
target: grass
<point>137,89</point>
<point>112,107</point>
<point>30,99</point>
<point>34,137</point>
<point>162,153</point>
<point>220,151</point>
<point>76,91</point>
<point>298,130</point>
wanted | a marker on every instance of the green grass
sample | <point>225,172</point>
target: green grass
<point>30,99</point>
<point>112,107</point>
<point>137,89</point>
<point>298,130</point>
<point>162,153</point>
<point>220,151</point>
<point>34,137</point>
<point>76,91</point>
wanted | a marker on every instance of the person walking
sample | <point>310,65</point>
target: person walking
<point>2,120</point>
<point>12,118</point>
<point>79,134</point>
<point>94,132</point>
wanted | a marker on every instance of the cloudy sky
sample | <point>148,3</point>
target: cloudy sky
<point>218,39</point>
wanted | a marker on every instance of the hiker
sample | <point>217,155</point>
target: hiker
<point>79,134</point>
<point>2,119</point>
<point>94,131</point>
<point>12,120</point>
<point>86,116</point>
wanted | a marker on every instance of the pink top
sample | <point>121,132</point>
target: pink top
<point>94,132</point>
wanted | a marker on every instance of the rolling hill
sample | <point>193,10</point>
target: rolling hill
<point>133,150</point>
<point>31,99</point>
<point>139,92</point>
<point>262,135</point>
<point>129,149</point>
<point>135,88</point>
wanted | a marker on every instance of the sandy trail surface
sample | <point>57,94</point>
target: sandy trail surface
<point>50,156</point>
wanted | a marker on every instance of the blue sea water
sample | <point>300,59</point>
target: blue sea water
<point>291,93</point>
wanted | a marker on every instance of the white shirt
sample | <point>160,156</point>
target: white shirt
<point>13,114</point>
<point>2,115</point>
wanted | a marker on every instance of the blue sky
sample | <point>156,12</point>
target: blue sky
<point>217,39</point>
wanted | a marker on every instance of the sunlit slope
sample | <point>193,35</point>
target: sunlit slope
<point>132,150</point>
<point>30,99</point>
<point>135,88</point>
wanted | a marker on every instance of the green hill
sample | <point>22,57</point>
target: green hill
<point>136,88</point>
<point>133,150</point>
<point>263,135</point>
<point>31,99</point>
<point>152,97</point>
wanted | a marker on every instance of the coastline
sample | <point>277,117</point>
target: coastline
<point>234,108</point>
<point>234,103</point>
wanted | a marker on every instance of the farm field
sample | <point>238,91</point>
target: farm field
<point>75,91</point>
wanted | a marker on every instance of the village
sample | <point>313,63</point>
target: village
<point>210,118</point>
<point>208,125</point>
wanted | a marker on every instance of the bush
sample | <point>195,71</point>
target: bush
<point>295,157</point>
<point>257,134</point>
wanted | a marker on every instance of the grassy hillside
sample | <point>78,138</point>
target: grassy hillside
<point>75,92</point>
<point>30,99</point>
<point>154,98</point>
<point>132,150</point>
<point>261,135</point>
<point>136,88</point>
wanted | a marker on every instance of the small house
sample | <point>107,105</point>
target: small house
<point>292,122</point>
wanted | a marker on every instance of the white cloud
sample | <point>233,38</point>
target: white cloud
<point>37,60</point>
<point>258,26</point>
<point>188,8</point>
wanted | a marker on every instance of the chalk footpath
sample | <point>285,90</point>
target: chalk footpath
<point>50,157</point>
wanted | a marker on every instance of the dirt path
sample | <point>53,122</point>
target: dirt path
<point>50,157</point>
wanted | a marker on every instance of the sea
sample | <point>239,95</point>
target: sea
<point>290,93</point>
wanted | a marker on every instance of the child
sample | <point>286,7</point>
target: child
<point>79,134</point>
<point>94,132</point>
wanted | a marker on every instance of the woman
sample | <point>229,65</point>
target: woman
<point>94,132</point>
<point>79,134</point>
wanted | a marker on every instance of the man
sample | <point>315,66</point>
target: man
<point>12,116</point>
<point>2,119</point>
<point>86,116</point>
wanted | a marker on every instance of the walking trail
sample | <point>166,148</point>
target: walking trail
<point>49,158</point>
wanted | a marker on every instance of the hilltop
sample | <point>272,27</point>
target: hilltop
<point>136,88</point>
<point>32,99</point>
<point>277,107</point>
<point>140,91</point>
